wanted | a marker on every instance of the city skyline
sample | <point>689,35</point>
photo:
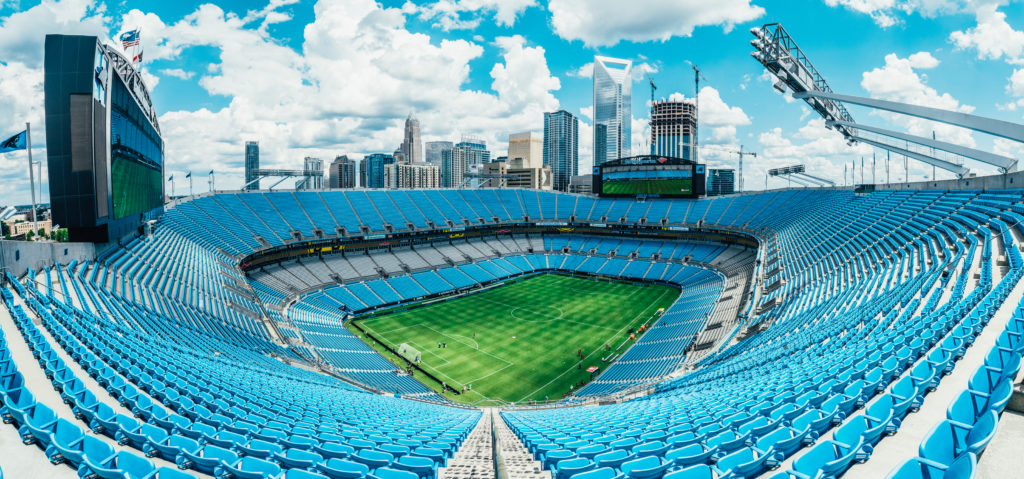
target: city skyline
<point>226,72</point>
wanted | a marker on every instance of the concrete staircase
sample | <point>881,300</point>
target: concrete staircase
<point>514,460</point>
<point>475,459</point>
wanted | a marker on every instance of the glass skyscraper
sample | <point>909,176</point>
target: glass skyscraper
<point>375,164</point>
<point>561,147</point>
<point>613,94</point>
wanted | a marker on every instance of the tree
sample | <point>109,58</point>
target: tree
<point>5,229</point>
<point>42,233</point>
<point>29,235</point>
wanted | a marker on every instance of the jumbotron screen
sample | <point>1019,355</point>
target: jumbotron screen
<point>649,177</point>
<point>136,156</point>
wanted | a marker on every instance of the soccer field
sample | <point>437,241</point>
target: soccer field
<point>519,341</point>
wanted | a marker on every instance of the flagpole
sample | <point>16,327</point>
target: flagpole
<point>31,177</point>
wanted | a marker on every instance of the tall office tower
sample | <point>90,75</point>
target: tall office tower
<point>721,181</point>
<point>412,147</point>
<point>453,168</point>
<point>252,163</point>
<point>456,162</point>
<point>613,93</point>
<point>362,172</point>
<point>525,150</point>
<point>375,164</point>
<point>561,147</point>
<point>420,175</point>
<point>342,173</point>
<point>433,149</point>
<point>673,125</point>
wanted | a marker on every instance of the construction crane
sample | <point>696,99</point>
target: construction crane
<point>651,81</point>
<point>696,106</point>
<point>740,153</point>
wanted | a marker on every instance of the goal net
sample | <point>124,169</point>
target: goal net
<point>410,353</point>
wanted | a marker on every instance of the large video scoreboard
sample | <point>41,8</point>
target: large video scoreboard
<point>104,148</point>
<point>649,176</point>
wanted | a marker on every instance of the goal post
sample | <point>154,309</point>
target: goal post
<point>409,353</point>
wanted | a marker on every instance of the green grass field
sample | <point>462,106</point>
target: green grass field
<point>647,187</point>
<point>519,341</point>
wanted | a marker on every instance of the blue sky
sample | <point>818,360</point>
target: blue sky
<point>338,77</point>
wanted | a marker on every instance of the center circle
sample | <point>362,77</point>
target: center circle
<point>542,314</point>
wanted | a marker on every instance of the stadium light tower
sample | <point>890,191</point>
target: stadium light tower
<point>798,173</point>
<point>776,50</point>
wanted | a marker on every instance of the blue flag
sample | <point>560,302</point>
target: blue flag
<point>189,175</point>
<point>171,178</point>
<point>16,142</point>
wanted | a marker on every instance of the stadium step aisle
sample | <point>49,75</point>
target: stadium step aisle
<point>475,460</point>
<point>514,460</point>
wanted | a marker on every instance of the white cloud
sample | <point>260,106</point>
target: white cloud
<point>177,73</point>
<point>1016,87</point>
<point>22,33</point>
<point>887,13</point>
<point>299,105</point>
<point>467,14</point>
<point>898,81</point>
<point>584,71</point>
<point>715,113</point>
<point>923,60</point>
<point>524,80</point>
<point>639,71</point>
<point>587,112</point>
<point>992,37</point>
<point>607,22</point>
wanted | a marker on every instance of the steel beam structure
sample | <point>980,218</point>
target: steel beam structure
<point>1000,128</point>
<point>778,53</point>
<point>285,174</point>
<point>1004,163</point>
<point>820,180</point>
<point>959,170</point>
